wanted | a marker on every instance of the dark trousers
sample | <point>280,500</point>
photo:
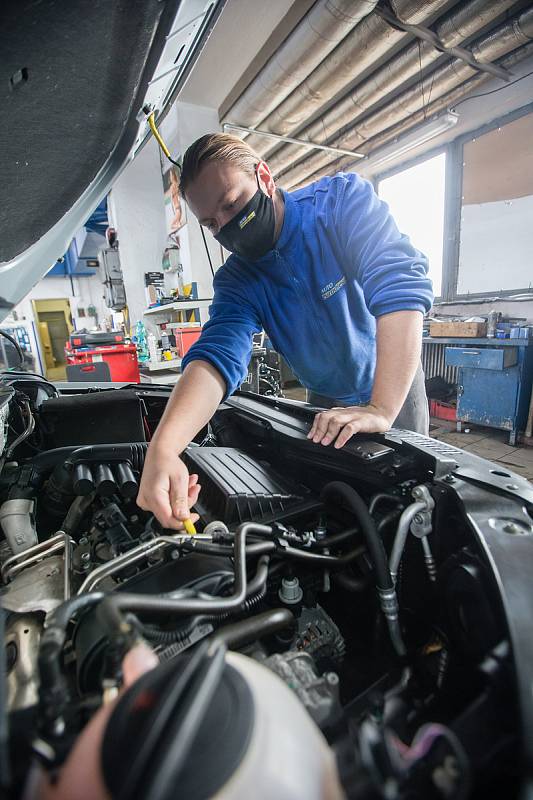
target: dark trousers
<point>413,416</point>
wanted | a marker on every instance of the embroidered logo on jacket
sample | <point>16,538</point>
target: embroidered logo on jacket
<point>332,288</point>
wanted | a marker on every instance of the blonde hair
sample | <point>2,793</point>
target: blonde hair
<point>222,147</point>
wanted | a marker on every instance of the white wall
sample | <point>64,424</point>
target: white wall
<point>137,211</point>
<point>191,122</point>
<point>496,246</point>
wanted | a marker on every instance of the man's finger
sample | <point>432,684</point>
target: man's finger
<point>333,428</point>
<point>193,495</point>
<point>321,423</point>
<point>347,433</point>
<point>160,508</point>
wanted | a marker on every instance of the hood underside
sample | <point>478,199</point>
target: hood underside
<point>74,77</point>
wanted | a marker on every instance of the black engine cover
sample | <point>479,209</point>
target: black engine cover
<point>236,488</point>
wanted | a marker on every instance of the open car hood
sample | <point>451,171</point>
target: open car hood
<point>74,80</point>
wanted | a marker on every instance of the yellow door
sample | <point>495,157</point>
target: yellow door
<point>54,325</point>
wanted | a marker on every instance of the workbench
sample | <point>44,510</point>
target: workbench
<point>494,378</point>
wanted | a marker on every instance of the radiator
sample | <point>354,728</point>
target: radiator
<point>434,362</point>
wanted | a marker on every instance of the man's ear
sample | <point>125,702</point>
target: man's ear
<point>265,177</point>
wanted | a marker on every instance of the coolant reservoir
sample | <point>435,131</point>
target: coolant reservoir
<point>287,756</point>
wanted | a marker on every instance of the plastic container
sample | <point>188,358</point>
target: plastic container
<point>441,410</point>
<point>185,338</point>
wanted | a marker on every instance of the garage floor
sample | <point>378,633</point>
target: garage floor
<point>485,442</point>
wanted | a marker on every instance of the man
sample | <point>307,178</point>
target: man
<point>339,291</point>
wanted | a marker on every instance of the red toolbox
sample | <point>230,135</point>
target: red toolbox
<point>121,358</point>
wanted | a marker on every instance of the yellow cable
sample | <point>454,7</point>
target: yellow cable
<point>188,524</point>
<point>162,145</point>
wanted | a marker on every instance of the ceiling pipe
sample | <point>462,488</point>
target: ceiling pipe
<point>395,133</point>
<point>316,35</point>
<point>457,27</point>
<point>371,40</point>
<point>492,46</point>
<point>228,126</point>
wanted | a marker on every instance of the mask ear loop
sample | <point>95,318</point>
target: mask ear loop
<point>257,174</point>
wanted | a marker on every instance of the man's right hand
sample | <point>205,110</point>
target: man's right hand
<point>167,489</point>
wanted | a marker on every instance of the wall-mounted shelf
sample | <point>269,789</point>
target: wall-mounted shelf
<point>175,363</point>
<point>180,305</point>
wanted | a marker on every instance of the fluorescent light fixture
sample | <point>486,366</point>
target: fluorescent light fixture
<point>422,134</point>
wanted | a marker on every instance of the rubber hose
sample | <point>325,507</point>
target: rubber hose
<point>357,506</point>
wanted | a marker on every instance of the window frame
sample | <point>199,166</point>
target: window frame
<point>412,162</point>
<point>456,191</point>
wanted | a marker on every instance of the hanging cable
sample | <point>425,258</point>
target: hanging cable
<point>166,151</point>
<point>207,251</point>
<point>159,138</point>
<point>492,91</point>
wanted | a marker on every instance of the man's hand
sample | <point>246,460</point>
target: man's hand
<point>340,424</point>
<point>80,777</point>
<point>167,489</point>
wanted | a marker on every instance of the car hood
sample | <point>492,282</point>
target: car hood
<point>74,80</point>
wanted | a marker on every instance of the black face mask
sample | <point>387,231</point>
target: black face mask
<point>250,233</point>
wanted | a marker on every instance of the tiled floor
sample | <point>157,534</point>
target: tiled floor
<point>485,442</point>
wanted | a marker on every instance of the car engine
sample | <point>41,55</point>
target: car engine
<point>360,616</point>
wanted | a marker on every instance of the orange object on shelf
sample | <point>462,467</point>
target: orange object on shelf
<point>185,338</point>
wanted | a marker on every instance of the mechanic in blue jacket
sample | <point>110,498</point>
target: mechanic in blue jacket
<point>325,272</point>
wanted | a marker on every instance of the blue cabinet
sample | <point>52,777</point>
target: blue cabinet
<point>493,381</point>
<point>488,397</point>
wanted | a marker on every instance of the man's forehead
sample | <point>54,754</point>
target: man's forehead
<point>214,183</point>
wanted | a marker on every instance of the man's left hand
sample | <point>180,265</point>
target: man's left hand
<point>339,424</point>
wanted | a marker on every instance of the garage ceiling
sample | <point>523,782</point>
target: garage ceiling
<point>355,74</point>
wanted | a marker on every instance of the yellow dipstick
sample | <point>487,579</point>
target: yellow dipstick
<point>188,524</point>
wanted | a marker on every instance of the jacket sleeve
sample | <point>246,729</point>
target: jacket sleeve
<point>391,272</point>
<point>226,340</point>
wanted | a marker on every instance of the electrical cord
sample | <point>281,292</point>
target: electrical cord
<point>493,91</point>
<point>159,138</point>
<point>166,151</point>
<point>207,250</point>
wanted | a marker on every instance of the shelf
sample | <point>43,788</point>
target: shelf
<point>180,305</point>
<point>175,363</point>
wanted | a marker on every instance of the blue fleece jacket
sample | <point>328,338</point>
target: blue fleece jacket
<point>338,263</point>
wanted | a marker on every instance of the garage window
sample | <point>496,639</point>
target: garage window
<point>416,199</point>
<point>497,210</point>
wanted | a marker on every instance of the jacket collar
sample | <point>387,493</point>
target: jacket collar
<point>290,221</point>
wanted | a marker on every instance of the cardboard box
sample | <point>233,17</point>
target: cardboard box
<point>474,330</point>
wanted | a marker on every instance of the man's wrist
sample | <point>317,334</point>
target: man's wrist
<point>389,413</point>
<point>165,439</point>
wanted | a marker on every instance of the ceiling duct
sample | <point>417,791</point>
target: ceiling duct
<point>318,33</point>
<point>371,40</point>
<point>457,27</point>
<point>492,46</point>
<point>394,133</point>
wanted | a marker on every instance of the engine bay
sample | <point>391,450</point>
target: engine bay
<point>385,585</point>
